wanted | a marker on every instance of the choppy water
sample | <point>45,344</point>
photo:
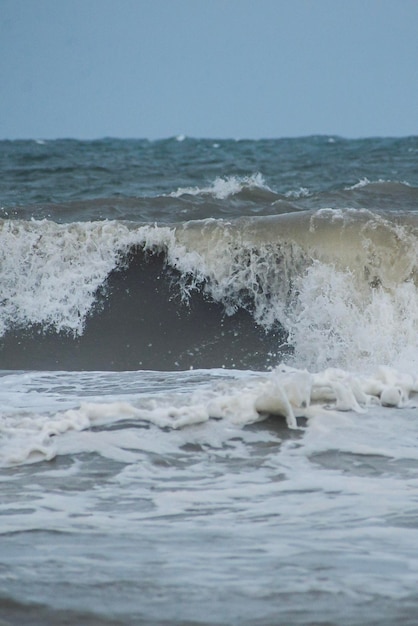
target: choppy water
<point>209,382</point>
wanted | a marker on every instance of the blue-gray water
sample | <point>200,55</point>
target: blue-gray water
<point>151,471</point>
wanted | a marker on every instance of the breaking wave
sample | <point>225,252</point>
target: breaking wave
<point>336,288</point>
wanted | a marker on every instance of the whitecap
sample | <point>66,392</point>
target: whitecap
<point>224,187</point>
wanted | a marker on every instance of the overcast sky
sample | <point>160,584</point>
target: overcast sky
<point>208,68</point>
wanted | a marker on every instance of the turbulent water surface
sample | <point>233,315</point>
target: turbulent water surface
<point>209,360</point>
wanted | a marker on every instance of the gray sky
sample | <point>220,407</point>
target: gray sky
<point>208,68</point>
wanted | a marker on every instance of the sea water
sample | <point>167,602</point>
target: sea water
<point>209,382</point>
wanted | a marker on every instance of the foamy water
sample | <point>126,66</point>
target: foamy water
<point>141,481</point>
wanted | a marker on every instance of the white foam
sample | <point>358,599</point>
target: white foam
<point>50,273</point>
<point>336,322</point>
<point>238,401</point>
<point>224,187</point>
<point>302,192</point>
<point>365,182</point>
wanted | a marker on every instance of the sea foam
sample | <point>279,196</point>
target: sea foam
<point>238,400</point>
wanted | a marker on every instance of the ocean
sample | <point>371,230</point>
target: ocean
<point>209,382</point>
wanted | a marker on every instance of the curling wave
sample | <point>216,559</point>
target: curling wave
<point>327,285</point>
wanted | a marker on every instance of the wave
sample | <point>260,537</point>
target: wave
<point>229,196</point>
<point>222,188</point>
<point>375,195</point>
<point>332,287</point>
<point>254,187</point>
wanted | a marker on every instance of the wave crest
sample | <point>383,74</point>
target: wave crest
<point>224,187</point>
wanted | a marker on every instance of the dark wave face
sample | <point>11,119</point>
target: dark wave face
<point>140,321</point>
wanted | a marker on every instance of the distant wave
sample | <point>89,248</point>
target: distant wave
<point>365,182</point>
<point>222,188</point>
<point>230,196</point>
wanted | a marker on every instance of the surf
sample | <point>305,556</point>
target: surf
<point>324,286</point>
